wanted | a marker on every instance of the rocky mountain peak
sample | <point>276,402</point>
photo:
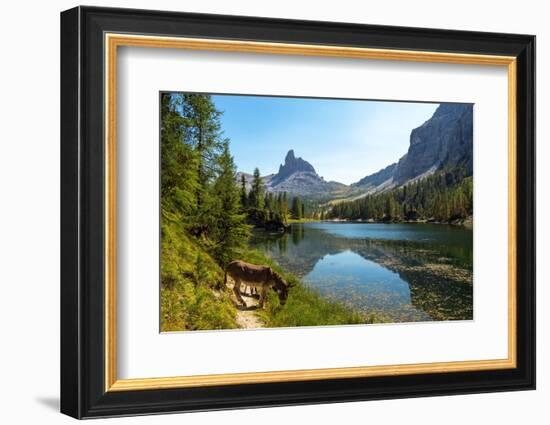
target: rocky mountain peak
<point>290,156</point>
<point>292,165</point>
<point>296,177</point>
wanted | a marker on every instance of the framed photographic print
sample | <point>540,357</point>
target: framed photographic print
<point>261,212</point>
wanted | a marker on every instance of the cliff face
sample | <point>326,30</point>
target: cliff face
<point>445,140</point>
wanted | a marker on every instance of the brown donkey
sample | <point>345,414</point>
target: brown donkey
<point>260,277</point>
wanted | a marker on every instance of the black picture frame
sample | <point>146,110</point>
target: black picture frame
<point>82,218</point>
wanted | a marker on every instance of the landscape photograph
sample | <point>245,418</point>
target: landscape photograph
<point>280,212</point>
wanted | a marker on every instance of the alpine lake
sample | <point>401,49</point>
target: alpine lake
<point>396,272</point>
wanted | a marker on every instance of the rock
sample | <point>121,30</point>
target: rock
<point>291,166</point>
<point>378,178</point>
<point>260,219</point>
<point>296,177</point>
<point>444,141</point>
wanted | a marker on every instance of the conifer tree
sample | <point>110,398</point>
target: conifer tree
<point>244,197</point>
<point>296,208</point>
<point>203,132</point>
<point>229,231</point>
<point>389,211</point>
<point>179,162</point>
<point>256,195</point>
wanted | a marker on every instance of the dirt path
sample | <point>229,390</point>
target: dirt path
<point>246,316</point>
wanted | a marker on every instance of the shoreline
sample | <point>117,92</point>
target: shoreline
<point>465,222</point>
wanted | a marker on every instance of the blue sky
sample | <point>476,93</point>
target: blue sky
<point>344,140</point>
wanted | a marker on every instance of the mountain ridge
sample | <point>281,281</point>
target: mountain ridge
<point>296,176</point>
<point>444,140</point>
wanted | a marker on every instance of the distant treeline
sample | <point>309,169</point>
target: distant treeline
<point>267,208</point>
<point>444,196</point>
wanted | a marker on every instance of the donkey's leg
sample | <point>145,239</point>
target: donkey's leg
<point>244,289</point>
<point>237,291</point>
<point>263,295</point>
<point>253,292</point>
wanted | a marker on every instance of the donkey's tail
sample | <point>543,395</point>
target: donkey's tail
<point>225,278</point>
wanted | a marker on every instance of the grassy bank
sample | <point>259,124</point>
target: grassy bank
<point>192,297</point>
<point>189,279</point>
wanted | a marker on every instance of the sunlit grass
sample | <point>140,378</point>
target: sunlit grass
<point>193,296</point>
<point>190,277</point>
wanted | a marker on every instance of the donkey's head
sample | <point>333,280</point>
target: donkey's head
<point>280,286</point>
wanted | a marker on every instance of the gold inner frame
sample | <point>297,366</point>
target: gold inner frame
<point>113,41</point>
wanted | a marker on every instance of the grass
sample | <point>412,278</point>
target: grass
<point>193,296</point>
<point>190,299</point>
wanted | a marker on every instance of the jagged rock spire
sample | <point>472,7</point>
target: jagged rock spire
<point>293,165</point>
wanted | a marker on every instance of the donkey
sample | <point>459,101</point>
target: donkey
<point>260,277</point>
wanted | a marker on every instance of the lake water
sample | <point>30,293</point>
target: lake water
<point>398,272</point>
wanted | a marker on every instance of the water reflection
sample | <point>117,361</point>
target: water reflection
<point>401,272</point>
<point>297,233</point>
<point>364,284</point>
